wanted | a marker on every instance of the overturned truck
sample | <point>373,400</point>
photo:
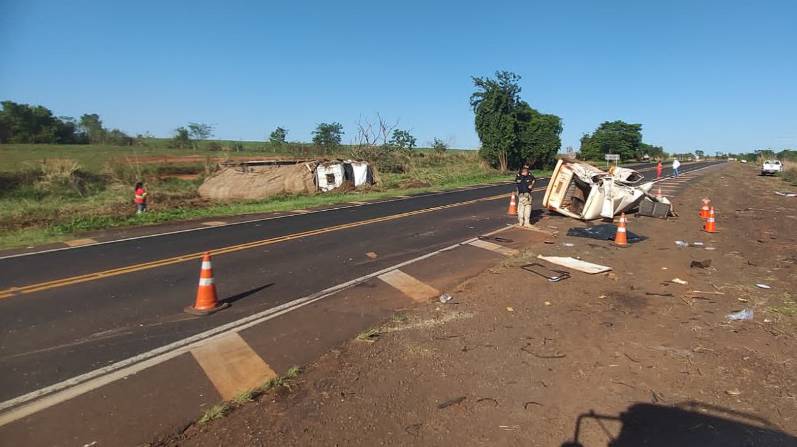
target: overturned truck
<point>256,180</point>
<point>582,191</point>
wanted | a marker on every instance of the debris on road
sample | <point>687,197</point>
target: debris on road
<point>700,264</point>
<point>549,274</point>
<point>603,232</point>
<point>681,244</point>
<point>763,286</point>
<point>679,281</point>
<point>786,194</point>
<point>575,264</point>
<point>450,402</point>
<point>445,298</point>
<point>745,314</point>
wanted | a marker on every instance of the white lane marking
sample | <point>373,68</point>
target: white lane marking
<point>46,397</point>
<point>506,251</point>
<point>232,365</point>
<point>284,216</point>
<point>409,285</point>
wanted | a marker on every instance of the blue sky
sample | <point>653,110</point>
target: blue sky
<point>711,75</point>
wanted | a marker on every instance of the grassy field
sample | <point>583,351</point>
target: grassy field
<point>51,193</point>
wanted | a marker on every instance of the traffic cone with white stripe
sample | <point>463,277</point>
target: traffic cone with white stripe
<point>711,224</point>
<point>658,194</point>
<point>512,211</point>
<point>620,236</point>
<point>206,301</point>
<point>704,211</point>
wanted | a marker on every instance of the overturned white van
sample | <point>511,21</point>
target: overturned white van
<point>582,191</point>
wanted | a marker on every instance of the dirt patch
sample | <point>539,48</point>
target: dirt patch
<point>628,358</point>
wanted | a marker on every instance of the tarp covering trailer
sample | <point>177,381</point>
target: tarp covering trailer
<point>254,180</point>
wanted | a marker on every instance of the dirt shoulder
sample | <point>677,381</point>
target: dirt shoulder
<point>518,360</point>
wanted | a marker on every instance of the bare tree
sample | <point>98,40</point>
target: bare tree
<point>373,134</point>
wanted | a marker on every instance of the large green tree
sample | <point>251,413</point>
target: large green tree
<point>328,135</point>
<point>23,123</point>
<point>511,131</point>
<point>613,137</point>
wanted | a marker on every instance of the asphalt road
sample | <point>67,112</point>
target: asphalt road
<point>68,312</point>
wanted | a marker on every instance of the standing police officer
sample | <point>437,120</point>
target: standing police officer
<point>525,183</point>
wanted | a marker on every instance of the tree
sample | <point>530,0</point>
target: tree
<point>699,153</point>
<point>278,136</point>
<point>328,135</point>
<point>511,131</point>
<point>439,145</point>
<point>182,138</point>
<point>615,137</point>
<point>654,152</point>
<point>401,139</point>
<point>23,123</point>
<point>91,125</point>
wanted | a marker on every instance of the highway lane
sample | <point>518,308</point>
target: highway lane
<point>55,334</point>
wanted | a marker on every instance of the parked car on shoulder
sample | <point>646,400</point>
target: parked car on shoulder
<point>771,167</point>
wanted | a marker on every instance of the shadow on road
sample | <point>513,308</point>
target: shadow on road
<point>245,294</point>
<point>684,424</point>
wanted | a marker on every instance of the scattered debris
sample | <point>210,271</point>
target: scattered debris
<point>575,264</point>
<point>510,309</point>
<point>549,274</point>
<point>568,244</point>
<point>487,399</point>
<point>450,402</point>
<point>682,244</point>
<point>786,194</point>
<point>371,255</point>
<point>509,427</point>
<point>706,293</point>
<point>700,264</point>
<point>661,209</point>
<point>603,232</point>
<point>531,402</point>
<point>733,392</point>
<point>547,303</point>
<point>678,281</point>
<point>445,298</point>
<point>745,314</point>
<point>658,294</point>
<point>763,286</point>
<point>697,244</point>
<point>496,239</point>
<point>710,248</point>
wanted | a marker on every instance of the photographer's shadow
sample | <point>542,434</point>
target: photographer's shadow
<point>686,424</point>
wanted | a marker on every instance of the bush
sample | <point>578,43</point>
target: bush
<point>214,146</point>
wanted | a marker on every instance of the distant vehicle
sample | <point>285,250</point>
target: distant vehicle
<point>771,167</point>
<point>742,161</point>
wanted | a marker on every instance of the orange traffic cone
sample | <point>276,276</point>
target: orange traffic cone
<point>512,211</point>
<point>206,300</point>
<point>704,211</point>
<point>711,225</point>
<point>620,237</point>
<point>658,194</point>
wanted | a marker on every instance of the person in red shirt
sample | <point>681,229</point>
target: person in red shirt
<point>141,198</point>
<point>658,170</point>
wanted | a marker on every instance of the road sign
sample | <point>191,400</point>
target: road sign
<point>612,157</point>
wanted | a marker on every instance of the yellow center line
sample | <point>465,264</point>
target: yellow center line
<point>31,288</point>
<point>21,290</point>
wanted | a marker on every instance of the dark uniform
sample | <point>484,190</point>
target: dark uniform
<point>524,182</point>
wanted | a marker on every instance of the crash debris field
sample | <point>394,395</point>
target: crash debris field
<point>679,344</point>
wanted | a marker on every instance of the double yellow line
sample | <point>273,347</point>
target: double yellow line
<point>22,290</point>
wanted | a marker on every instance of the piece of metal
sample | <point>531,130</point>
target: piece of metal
<point>547,273</point>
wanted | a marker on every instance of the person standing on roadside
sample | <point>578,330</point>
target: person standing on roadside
<point>525,183</point>
<point>658,169</point>
<point>140,198</point>
<point>675,165</point>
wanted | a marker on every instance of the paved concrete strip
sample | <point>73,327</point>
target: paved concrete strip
<point>232,365</point>
<point>214,223</point>
<point>408,285</point>
<point>494,247</point>
<point>79,242</point>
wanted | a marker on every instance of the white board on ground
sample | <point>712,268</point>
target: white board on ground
<point>575,264</point>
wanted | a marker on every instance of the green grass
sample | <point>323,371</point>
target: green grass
<point>35,212</point>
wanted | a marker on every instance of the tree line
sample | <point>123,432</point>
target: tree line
<point>24,123</point>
